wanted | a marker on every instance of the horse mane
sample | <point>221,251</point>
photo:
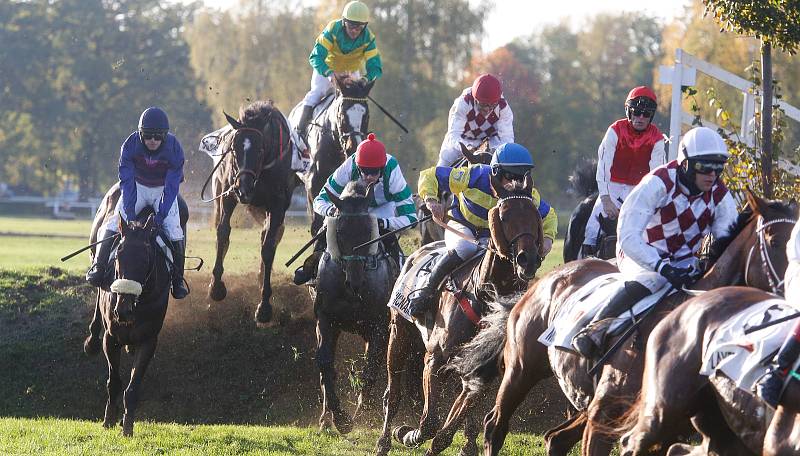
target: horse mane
<point>583,182</point>
<point>356,188</point>
<point>256,114</point>
<point>719,245</point>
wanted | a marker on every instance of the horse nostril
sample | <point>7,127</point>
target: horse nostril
<point>522,258</point>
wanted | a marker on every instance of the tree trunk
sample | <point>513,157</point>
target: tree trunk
<point>766,117</point>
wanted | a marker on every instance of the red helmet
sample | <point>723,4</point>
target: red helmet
<point>641,98</point>
<point>371,153</point>
<point>487,89</point>
<point>641,91</point>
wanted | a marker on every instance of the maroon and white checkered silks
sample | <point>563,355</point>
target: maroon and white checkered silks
<point>479,126</point>
<point>677,228</point>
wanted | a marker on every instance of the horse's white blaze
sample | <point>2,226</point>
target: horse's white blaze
<point>125,286</point>
<point>247,144</point>
<point>355,115</point>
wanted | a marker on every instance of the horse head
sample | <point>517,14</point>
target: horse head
<point>767,262</point>
<point>354,226</point>
<point>352,112</point>
<point>134,265</point>
<point>477,155</point>
<point>254,146</point>
<point>516,229</point>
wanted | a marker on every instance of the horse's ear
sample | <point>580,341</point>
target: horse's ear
<point>528,184</point>
<point>467,153</point>
<point>122,225</point>
<point>370,192</point>
<point>338,82</point>
<point>234,123</point>
<point>758,204</point>
<point>368,87</point>
<point>150,223</point>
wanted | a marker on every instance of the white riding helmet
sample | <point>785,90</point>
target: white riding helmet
<point>703,143</point>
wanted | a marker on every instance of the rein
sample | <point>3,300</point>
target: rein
<point>774,279</point>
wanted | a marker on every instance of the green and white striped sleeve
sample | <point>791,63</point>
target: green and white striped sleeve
<point>399,193</point>
<point>335,184</point>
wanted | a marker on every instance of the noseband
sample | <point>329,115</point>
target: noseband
<point>774,279</point>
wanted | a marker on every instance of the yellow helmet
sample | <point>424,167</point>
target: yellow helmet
<point>356,12</point>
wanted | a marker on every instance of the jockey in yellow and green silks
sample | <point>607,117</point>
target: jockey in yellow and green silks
<point>345,46</point>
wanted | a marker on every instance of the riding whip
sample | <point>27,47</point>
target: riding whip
<point>771,323</point>
<point>319,234</point>
<point>113,236</point>
<point>383,236</point>
<point>387,114</point>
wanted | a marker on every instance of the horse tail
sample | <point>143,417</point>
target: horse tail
<point>477,362</point>
<point>583,181</point>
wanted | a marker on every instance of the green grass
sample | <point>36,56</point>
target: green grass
<point>44,245</point>
<point>47,436</point>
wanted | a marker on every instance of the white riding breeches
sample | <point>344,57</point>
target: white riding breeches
<point>148,196</point>
<point>618,193</point>
<point>631,270</point>
<point>463,248</point>
<point>319,87</point>
<point>791,286</point>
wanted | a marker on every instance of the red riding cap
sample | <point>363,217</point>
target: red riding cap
<point>487,89</point>
<point>371,153</point>
<point>642,91</point>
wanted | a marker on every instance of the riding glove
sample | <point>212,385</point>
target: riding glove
<point>383,224</point>
<point>678,277</point>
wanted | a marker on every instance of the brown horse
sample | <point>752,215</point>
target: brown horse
<point>731,421</point>
<point>525,360</point>
<point>255,171</point>
<point>514,255</point>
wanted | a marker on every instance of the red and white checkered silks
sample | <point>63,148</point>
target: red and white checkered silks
<point>677,228</point>
<point>478,126</point>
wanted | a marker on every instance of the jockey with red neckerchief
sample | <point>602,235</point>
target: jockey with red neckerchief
<point>661,226</point>
<point>631,148</point>
<point>770,387</point>
<point>479,113</point>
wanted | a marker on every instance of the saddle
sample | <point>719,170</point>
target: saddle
<point>745,358</point>
<point>581,307</point>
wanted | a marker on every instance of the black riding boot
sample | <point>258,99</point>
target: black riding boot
<point>308,270</point>
<point>305,118</point>
<point>591,339</point>
<point>97,273</point>
<point>392,247</point>
<point>179,290</point>
<point>424,298</point>
<point>770,386</point>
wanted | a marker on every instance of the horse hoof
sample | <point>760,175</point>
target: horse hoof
<point>400,432</point>
<point>343,422</point>
<point>264,313</point>
<point>217,290</point>
<point>108,424</point>
<point>91,346</point>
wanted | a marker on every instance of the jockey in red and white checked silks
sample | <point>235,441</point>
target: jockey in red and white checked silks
<point>665,217</point>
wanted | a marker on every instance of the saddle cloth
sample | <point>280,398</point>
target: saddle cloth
<point>745,358</point>
<point>580,308</point>
<point>414,276</point>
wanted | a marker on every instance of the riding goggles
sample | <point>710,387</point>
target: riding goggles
<point>370,171</point>
<point>636,112</point>
<point>510,175</point>
<point>353,24</point>
<point>148,135</point>
<point>707,167</point>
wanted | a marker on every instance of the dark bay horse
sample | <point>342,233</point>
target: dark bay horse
<point>731,421</point>
<point>352,291</point>
<point>132,313</point>
<point>255,170</point>
<point>430,231</point>
<point>525,360</point>
<point>334,133</point>
<point>513,257</point>
<point>584,184</point>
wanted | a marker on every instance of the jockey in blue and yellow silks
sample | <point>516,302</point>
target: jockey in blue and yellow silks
<point>346,46</point>
<point>474,194</point>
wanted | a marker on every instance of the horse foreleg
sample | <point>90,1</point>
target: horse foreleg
<point>431,388</point>
<point>144,353</point>
<point>94,341</point>
<point>375,355</point>
<point>271,234</point>
<point>560,440</point>
<point>113,384</point>
<point>327,337</point>
<point>459,412</point>
<point>396,362</point>
<point>224,208</point>
<point>783,434</point>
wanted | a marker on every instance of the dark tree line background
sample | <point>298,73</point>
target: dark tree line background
<point>76,74</point>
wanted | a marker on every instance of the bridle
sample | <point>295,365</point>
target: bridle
<point>512,242</point>
<point>342,136</point>
<point>369,260</point>
<point>775,280</point>
<point>143,285</point>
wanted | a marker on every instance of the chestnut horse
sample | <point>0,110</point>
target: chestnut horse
<point>255,171</point>
<point>731,421</point>
<point>513,257</point>
<point>525,360</point>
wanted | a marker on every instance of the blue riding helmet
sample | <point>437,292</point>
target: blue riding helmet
<point>154,120</point>
<point>513,158</point>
